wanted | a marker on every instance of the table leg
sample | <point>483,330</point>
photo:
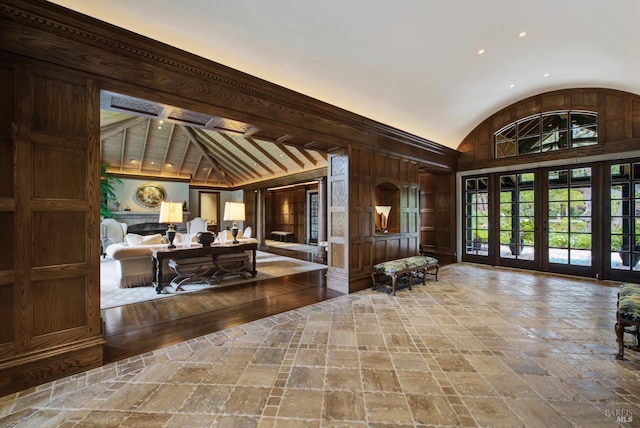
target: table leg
<point>254,271</point>
<point>157,271</point>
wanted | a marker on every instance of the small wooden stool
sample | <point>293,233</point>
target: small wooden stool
<point>190,271</point>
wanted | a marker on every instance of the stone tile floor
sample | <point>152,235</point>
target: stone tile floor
<point>481,347</point>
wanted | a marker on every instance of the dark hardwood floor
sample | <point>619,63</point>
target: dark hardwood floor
<point>135,329</point>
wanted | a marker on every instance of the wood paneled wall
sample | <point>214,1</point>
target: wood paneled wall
<point>437,216</point>
<point>286,211</point>
<point>618,126</point>
<point>49,267</point>
<point>353,245</point>
<point>54,64</point>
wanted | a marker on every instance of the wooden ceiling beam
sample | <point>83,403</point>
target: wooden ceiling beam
<point>144,146</point>
<point>280,140</point>
<point>231,157</point>
<point>252,131</point>
<point>247,152</point>
<point>307,155</point>
<point>290,154</point>
<point>112,129</point>
<point>166,150</point>
<point>219,171</point>
<point>124,142</point>
<point>267,154</point>
<point>184,156</point>
<point>222,174</point>
<point>232,171</point>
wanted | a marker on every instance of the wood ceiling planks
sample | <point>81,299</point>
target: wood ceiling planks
<point>143,138</point>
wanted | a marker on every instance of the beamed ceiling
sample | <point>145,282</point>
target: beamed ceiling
<point>142,138</point>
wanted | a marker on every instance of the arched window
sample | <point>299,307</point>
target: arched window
<point>547,132</point>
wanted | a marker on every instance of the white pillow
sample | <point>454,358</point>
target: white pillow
<point>134,239</point>
<point>180,237</point>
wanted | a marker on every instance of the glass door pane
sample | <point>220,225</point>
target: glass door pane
<point>517,216</point>
<point>570,216</point>
<point>477,216</point>
<point>625,216</point>
<point>313,218</point>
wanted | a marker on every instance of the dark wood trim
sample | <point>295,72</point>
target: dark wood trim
<point>166,74</point>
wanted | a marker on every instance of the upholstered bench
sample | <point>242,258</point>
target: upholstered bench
<point>628,317</point>
<point>281,234</point>
<point>406,266</point>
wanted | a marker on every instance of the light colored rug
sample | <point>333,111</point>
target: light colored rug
<point>268,266</point>
<point>313,249</point>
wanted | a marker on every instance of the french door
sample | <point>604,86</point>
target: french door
<point>622,215</point>
<point>569,242</point>
<point>539,219</point>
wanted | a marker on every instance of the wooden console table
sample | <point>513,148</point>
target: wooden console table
<point>159,254</point>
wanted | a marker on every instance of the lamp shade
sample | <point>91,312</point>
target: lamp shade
<point>383,209</point>
<point>233,211</point>
<point>170,212</point>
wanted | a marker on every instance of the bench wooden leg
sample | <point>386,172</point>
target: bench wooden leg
<point>620,336</point>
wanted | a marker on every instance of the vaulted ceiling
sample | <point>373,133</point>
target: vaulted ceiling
<point>433,68</point>
<point>142,138</point>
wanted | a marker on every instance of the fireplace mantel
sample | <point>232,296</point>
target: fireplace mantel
<point>137,217</point>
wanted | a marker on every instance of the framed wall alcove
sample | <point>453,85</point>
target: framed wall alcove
<point>387,209</point>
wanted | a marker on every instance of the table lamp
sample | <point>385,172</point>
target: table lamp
<point>171,212</point>
<point>234,211</point>
<point>383,210</point>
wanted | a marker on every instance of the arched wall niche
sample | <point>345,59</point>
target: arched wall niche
<point>387,204</point>
<point>618,126</point>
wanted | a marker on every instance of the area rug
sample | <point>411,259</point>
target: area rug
<point>313,249</point>
<point>268,266</point>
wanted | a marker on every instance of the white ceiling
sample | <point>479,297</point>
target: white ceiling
<point>411,64</point>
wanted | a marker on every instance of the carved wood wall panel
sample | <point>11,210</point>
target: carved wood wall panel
<point>338,218</point>
<point>50,284</point>
<point>368,169</point>
<point>437,216</point>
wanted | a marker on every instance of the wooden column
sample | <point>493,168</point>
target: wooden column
<point>260,232</point>
<point>322,209</point>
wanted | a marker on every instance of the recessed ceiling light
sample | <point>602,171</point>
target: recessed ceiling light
<point>545,75</point>
<point>522,34</point>
<point>481,51</point>
<point>513,85</point>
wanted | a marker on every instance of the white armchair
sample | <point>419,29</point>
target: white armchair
<point>196,225</point>
<point>247,232</point>
<point>111,232</point>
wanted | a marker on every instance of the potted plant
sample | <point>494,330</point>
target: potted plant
<point>515,249</point>
<point>107,190</point>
